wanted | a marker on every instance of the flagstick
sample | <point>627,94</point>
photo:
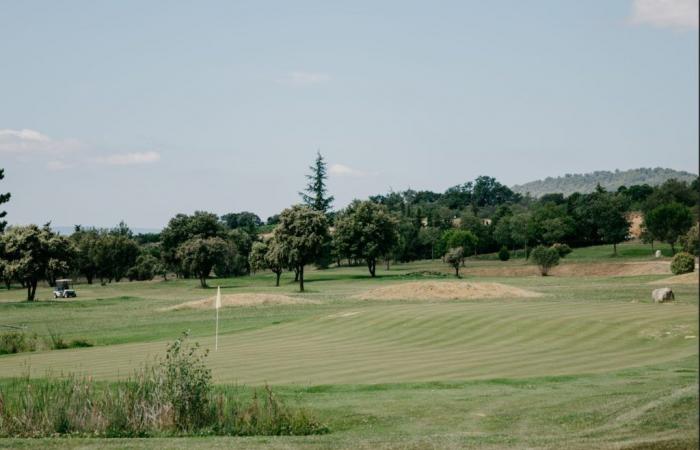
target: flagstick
<point>218,303</point>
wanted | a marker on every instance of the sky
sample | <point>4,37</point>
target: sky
<point>137,111</point>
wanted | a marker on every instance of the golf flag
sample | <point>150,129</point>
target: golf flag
<point>218,305</point>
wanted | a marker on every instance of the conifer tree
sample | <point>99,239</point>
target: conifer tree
<point>314,196</point>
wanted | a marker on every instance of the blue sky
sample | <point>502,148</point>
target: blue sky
<point>140,110</point>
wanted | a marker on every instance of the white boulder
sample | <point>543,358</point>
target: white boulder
<point>662,295</point>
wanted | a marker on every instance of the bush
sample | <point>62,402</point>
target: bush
<point>562,249</point>
<point>455,257</point>
<point>504,254</point>
<point>691,240</point>
<point>545,258</point>
<point>171,398</point>
<point>16,342</point>
<point>682,263</point>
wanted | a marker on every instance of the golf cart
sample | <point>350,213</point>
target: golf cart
<point>63,290</point>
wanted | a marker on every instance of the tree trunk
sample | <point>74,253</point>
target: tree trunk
<point>277,281</point>
<point>388,263</point>
<point>372,266</point>
<point>89,279</point>
<point>203,281</point>
<point>296,274</point>
<point>31,290</point>
<point>457,270</point>
<point>300,273</point>
<point>8,284</point>
<point>614,248</point>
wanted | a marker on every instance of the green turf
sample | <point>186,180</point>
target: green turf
<point>592,363</point>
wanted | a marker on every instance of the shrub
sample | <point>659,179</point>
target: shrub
<point>171,398</point>
<point>545,258</point>
<point>562,249</point>
<point>504,254</point>
<point>16,342</point>
<point>56,341</point>
<point>691,240</point>
<point>187,382</point>
<point>682,263</point>
<point>455,257</point>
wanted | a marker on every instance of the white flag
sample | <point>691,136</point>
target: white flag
<point>218,297</point>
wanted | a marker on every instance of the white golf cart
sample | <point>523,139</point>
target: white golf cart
<point>63,290</point>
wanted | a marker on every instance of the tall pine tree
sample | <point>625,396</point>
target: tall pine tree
<point>4,198</point>
<point>314,195</point>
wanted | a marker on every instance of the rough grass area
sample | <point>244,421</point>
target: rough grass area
<point>446,290</point>
<point>242,300</point>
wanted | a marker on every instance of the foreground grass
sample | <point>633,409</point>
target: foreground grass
<point>655,405</point>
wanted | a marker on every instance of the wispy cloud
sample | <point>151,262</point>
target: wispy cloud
<point>27,142</point>
<point>343,170</point>
<point>130,159</point>
<point>675,14</point>
<point>300,78</point>
<point>31,146</point>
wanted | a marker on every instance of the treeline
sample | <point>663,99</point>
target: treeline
<point>478,217</point>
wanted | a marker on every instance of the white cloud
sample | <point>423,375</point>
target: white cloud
<point>25,142</point>
<point>130,159</point>
<point>30,146</point>
<point>676,14</point>
<point>299,78</point>
<point>343,170</point>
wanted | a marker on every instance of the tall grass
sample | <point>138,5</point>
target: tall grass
<point>172,397</point>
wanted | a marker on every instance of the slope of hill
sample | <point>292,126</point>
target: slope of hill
<point>570,183</point>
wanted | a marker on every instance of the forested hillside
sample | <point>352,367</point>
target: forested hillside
<point>587,182</point>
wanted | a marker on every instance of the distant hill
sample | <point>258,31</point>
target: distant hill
<point>570,183</point>
<point>68,230</point>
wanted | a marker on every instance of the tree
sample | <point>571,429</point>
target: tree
<point>31,253</point>
<point>429,237</point>
<point>668,222</point>
<point>368,231</point>
<point>545,258</point>
<point>519,226</point>
<point>256,258</point>
<point>454,257</point>
<point>502,232</point>
<point>199,255</point>
<point>275,259</point>
<point>464,239</point>
<point>314,196</point>
<point>4,198</point>
<point>246,220</point>
<point>85,242</point>
<point>691,240</point>
<point>114,254</point>
<point>146,267</point>
<point>301,234</point>
<point>608,216</point>
<point>182,228</point>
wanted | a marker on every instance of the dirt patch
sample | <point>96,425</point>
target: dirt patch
<point>576,269</point>
<point>686,278</point>
<point>449,290</point>
<point>242,300</point>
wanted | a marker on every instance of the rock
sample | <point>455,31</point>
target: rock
<point>657,254</point>
<point>662,295</point>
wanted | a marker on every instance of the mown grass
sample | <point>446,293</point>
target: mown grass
<point>590,364</point>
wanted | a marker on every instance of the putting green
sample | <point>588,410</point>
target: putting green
<point>402,342</point>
